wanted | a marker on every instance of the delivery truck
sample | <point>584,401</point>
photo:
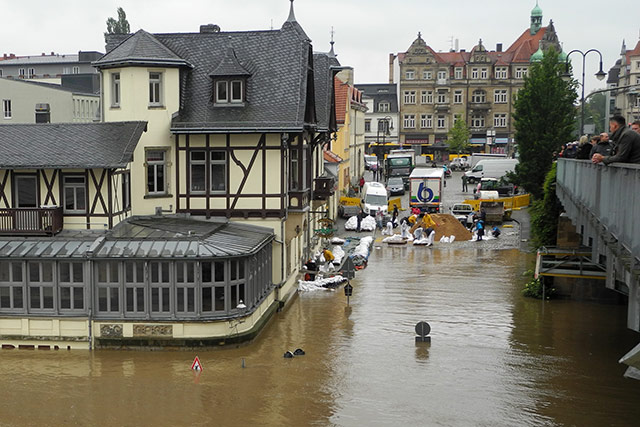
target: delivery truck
<point>425,187</point>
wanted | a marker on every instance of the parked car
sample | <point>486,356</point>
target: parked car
<point>395,186</point>
<point>371,163</point>
<point>459,163</point>
<point>461,211</point>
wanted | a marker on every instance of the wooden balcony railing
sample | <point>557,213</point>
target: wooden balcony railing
<point>34,221</point>
<point>323,187</point>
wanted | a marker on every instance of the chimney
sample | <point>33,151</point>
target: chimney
<point>5,56</point>
<point>52,53</point>
<point>42,53</point>
<point>499,47</point>
<point>457,45</point>
<point>209,29</point>
<point>392,58</point>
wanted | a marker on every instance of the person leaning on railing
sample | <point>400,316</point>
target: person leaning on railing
<point>626,144</point>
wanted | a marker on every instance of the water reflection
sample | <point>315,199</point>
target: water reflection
<point>495,359</point>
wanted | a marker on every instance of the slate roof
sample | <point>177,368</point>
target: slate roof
<point>381,92</point>
<point>147,237</point>
<point>276,90</point>
<point>324,95</point>
<point>140,48</point>
<point>230,66</point>
<point>69,145</point>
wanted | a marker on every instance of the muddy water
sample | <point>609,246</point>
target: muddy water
<point>496,359</point>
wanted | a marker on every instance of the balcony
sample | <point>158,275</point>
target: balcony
<point>442,106</point>
<point>299,200</point>
<point>480,106</point>
<point>323,187</point>
<point>32,221</point>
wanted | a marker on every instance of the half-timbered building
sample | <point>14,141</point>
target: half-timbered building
<point>227,186</point>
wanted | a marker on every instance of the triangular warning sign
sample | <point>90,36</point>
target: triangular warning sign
<point>196,365</point>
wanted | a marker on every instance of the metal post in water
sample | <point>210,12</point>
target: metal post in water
<point>243,362</point>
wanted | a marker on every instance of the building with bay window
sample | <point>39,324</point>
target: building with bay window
<point>223,193</point>
<point>478,86</point>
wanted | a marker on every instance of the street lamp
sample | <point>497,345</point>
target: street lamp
<point>600,75</point>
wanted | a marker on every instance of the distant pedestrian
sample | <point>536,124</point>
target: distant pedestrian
<point>480,229</point>
<point>601,146</point>
<point>496,232</point>
<point>464,183</point>
<point>380,218</point>
<point>394,216</point>
<point>361,183</point>
<point>359,220</point>
<point>430,233</point>
<point>584,148</point>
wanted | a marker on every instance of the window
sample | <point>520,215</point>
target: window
<point>426,121</point>
<point>478,96</point>
<point>156,172</point>
<point>237,280</point>
<point>115,89</point>
<point>409,96</point>
<point>218,171</point>
<point>384,125</point>
<point>294,169</point>
<point>75,70</point>
<point>40,284</point>
<point>474,73</point>
<point>26,191</point>
<point>0,73</point>
<point>21,73</point>
<point>457,97</point>
<point>367,125</point>
<point>126,190</point>
<point>477,121</point>
<point>31,73</point>
<point>155,89</point>
<point>409,121</point>
<point>500,96</point>
<point>501,73</point>
<point>236,91</point>
<point>409,75</point>
<point>441,122</point>
<point>521,72</point>
<point>500,120</point>
<point>458,73</point>
<point>442,98</point>
<point>198,165</point>
<point>185,287</point>
<point>71,283</point>
<point>6,108</point>
<point>108,286</point>
<point>213,286</point>
<point>484,73</point>
<point>134,287</point>
<point>383,107</point>
<point>427,75</point>
<point>442,75</point>
<point>221,91</point>
<point>426,97</point>
<point>74,188</point>
<point>11,286</point>
<point>160,273</point>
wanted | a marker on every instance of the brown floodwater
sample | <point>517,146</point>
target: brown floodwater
<point>496,359</point>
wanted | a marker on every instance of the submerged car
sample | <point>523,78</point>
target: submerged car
<point>395,186</point>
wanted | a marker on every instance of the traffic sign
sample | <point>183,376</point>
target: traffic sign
<point>196,365</point>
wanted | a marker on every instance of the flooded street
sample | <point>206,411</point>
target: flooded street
<point>496,358</point>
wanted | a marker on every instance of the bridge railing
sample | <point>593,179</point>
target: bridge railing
<point>607,195</point>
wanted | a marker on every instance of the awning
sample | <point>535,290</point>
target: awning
<point>416,141</point>
<point>501,141</point>
<point>477,141</point>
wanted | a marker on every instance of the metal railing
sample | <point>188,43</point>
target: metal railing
<point>23,221</point>
<point>323,187</point>
<point>599,198</point>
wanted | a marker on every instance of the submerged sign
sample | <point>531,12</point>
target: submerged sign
<point>196,365</point>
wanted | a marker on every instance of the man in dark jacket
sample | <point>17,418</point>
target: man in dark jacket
<point>626,147</point>
<point>603,146</point>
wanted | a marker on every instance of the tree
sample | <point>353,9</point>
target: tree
<point>545,213</point>
<point>543,119</point>
<point>121,26</point>
<point>458,137</point>
<point>594,113</point>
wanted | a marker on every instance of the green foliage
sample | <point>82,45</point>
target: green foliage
<point>544,120</point>
<point>121,26</point>
<point>594,113</point>
<point>545,213</point>
<point>533,288</point>
<point>458,137</point>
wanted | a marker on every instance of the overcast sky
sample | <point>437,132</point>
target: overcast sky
<point>366,31</point>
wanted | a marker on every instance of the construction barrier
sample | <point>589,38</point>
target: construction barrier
<point>395,202</point>
<point>349,201</point>
<point>514,202</point>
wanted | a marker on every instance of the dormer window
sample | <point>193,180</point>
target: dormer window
<point>229,92</point>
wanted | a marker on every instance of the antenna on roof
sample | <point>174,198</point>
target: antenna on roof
<point>332,52</point>
<point>451,49</point>
<point>272,24</point>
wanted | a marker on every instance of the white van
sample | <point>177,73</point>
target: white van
<point>491,169</point>
<point>374,197</point>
